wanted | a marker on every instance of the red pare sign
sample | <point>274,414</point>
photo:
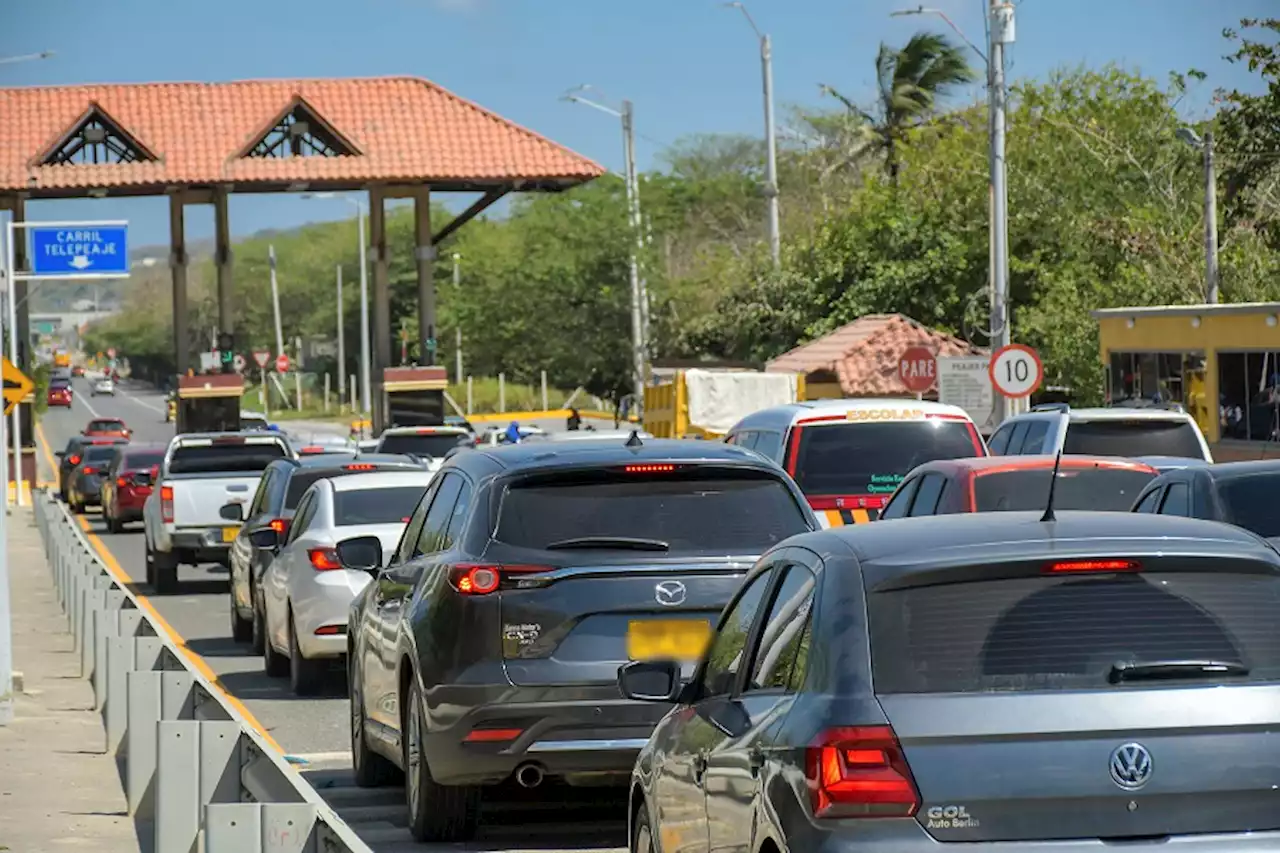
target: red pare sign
<point>918,369</point>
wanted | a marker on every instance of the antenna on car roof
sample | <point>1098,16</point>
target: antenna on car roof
<point>1053,482</point>
<point>634,440</point>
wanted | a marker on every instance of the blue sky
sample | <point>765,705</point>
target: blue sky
<point>690,66</point>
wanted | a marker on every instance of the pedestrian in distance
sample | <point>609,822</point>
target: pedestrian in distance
<point>513,433</point>
<point>575,421</point>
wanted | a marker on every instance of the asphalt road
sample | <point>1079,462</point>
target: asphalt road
<point>314,730</point>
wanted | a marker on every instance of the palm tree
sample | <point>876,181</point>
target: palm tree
<point>910,79</point>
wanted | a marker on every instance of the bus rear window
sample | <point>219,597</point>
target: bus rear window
<point>872,458</point>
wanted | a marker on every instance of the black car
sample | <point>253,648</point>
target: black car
<point>488,647</point>
<point>1239,493</point>
<point>71,457</point>
<point>984,681</point>
<point>85,483</point>
<point>282,485</point>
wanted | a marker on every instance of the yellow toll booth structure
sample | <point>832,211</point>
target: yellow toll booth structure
<point>1220,362</point>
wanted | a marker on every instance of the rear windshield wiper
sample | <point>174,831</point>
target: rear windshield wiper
<point>619,542</point>
<point>1173,669</point>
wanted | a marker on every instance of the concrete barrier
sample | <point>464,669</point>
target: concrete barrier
<point>197,776</point>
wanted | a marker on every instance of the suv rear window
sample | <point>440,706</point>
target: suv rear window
<point>1250,502</point>
<point>434,445</point>
<point>99,452</point>
<point>871,458</point>
<point>696,510</point>
<point>302,480</point>
<point>1133,438</point>
<point>376,506</point>
<point>224,458</point>
<point>1052,633</point>
<point>105,426</point>
<point>1106,489</point>
<point>143,460</point>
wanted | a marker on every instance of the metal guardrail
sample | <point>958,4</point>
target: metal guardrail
<point>195,773</point>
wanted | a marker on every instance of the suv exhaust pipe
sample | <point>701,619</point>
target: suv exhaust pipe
<point>529,775</point>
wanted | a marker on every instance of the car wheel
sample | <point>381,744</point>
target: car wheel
<point>306,677</point>
<point>274,664</point>
<point>642,835</point>
<point>371,770</point>
<point>241,628</point>
<point>257,642</point>
<point>436,812</point>
<point>113,525</point>
<point>75,506</point>
<point>164,572</point>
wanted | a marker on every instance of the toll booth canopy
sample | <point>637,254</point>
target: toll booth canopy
<point>209,403</point>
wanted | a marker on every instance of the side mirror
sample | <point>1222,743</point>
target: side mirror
<point>232,512</point>
<point>361,553</point>
<point>265,539</point>
<point>60,453</point>
<point>650,681</point>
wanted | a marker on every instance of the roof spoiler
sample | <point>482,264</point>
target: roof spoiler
<point>1051,407</point>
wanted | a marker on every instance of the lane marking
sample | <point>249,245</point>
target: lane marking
<point>76,398</point>
<point>47,451</point>
<point>122,577</point>
<point>142,402</point>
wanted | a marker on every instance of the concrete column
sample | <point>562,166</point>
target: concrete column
<point>178,264</point>
<point>425,254</point>
<point>19,210</point>
<point>222,258</point>
<point>381,303</point>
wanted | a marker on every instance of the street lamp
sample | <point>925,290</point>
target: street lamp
<point>770,135</point>
<point>1000,18</point>
<point>365,384</point>
<point>639,299</point>
<point>1205,144</point>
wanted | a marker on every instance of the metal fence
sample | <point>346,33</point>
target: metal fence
<point>196,774</point>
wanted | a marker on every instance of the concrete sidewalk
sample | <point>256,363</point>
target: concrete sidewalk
<point>59,791</point>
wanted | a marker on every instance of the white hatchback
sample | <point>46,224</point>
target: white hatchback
<point>103,386</point>
<point>306,593</point>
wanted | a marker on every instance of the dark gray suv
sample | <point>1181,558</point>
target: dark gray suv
<point>986,681</point>
<point>487,648</point>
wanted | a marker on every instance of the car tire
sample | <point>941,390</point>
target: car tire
<point>436,812</point>
<point>164,572</point>
<point>306,676</point>
<point>257,639</point>
<point>371,770</point>
<point>274,664</point>
<point>75,506</point>
<point>113,525</point>
<point>641,834</point>
<point>241,628</point>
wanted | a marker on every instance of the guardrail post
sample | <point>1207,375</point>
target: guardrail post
<point>177,699</point>
<point>260,828</point>
<point>140,734</point>
<point>121,659</point>
<point>177,798</point>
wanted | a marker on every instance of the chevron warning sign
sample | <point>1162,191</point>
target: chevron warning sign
<point>16,386</point>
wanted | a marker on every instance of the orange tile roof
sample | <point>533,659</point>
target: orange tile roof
<point>407,130</point>
<point>864,354</point>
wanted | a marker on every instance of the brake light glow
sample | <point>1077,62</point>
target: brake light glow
<point>426,432</point>
<point>649,469</point>
<point>166,504</point>
<point>484,578</point>
<point>279,525</point>
<point>491,735</point>
<point>74,459</point>
<point>121,482</point>
<point>330,630</point>
<point>860,772</point>
<point>311,449</point>
<point>848,501</point>
<point>1069,566</point>
<point>324,559</point>
<point>89,469</point>
<point>360,466</point>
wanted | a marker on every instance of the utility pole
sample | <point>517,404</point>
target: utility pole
<point>342,348</point>
<point>1001,27</point>
<point>275,300</point>
<point>457,339</point>
<point>365,394</point>
<point>639,346</point>
<point>1210,223</point>
<point>770,136</point>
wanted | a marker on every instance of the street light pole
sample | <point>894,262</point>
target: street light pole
<point>366,404</point>
<point>1002,33</point>
<point>1205,145</point>
<point>457,331</point>
<point>342,347</point>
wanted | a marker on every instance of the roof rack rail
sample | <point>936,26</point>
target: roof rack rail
<point>1051,407</point>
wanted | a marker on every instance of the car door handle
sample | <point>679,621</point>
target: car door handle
<point>699,767</point>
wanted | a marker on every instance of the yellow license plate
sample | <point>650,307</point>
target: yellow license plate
<point>671,639</point>
<point>229,534</point>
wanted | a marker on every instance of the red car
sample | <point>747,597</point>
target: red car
<point>128,484</point>
<point>59,395</point>
<point>107,428</point>
<point>1013,483</point>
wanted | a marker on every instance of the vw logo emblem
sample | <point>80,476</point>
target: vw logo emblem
<point>1131,766</point>
<point>669,593</point>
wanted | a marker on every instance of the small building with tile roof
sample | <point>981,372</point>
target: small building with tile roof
<point>860,359</point>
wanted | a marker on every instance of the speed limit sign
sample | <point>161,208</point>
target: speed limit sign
<point>1016,370</point>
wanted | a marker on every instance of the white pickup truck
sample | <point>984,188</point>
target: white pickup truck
<point>201,473</point>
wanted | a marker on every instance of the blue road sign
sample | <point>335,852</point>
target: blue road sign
<point>86,249</point>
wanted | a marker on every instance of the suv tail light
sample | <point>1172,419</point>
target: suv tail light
<point>88,469</point>
<point>1077,566</point>
<point>860,772</point>
<point>74,459</point>
<point>279,525</point>
<point>166,504</point>
<point>324,559</point>
<point>484,578</point>
<point>360,466</point>
<point>122,482</point>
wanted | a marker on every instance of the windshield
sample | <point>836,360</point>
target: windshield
<point>432,444</point>
<point>1251,502</point>
<point>872,459</point>
<point>303,478</point>
<point>1134,437</point>
<point>105,426</point>
<point>99,454</point>
<point>693,511</point>
<point>376,506</point>
<point>1104,489</point>
<point>224,458</point>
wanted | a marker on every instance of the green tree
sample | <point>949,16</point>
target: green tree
<point>1249,132</point>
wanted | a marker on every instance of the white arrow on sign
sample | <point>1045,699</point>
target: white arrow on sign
<point>81,262</point>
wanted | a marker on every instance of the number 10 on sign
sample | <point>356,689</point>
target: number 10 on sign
<point>1016,370</point>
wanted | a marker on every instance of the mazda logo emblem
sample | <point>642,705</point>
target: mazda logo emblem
<point>670,593</point>
<point>1131,766</point>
